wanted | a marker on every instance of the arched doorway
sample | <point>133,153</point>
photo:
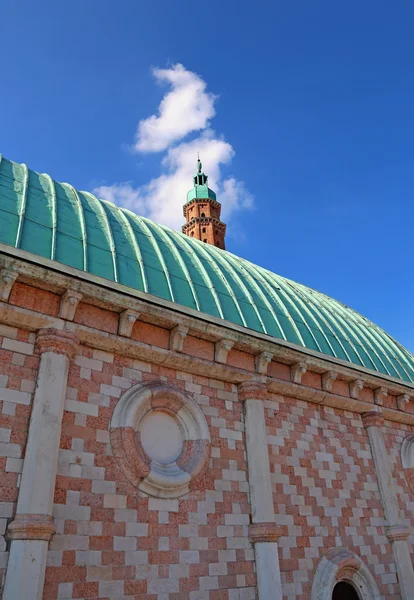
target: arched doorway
<point>341,575</point>
<point>344,591</point>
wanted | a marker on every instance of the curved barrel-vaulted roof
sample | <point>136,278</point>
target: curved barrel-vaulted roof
<point>55,221</point>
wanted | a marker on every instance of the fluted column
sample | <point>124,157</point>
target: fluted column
<point>263,532</point>
<point>33,526</point>
<point>396,531</point>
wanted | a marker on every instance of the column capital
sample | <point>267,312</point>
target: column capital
<point>57,341</point>
<point>396,533</point>
<point>252,390</point>
<point>264,532</point>
<point>373,418</point>
<point>31,527</point>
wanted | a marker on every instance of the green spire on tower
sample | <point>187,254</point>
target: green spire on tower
<point>200,182</point>
<point>200,178</point>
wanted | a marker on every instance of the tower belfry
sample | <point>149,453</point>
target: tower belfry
<point>202,212</point>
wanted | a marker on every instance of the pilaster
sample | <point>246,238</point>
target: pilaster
<point>263,532</point>
<point>33,526</point>
<point>396,532</point>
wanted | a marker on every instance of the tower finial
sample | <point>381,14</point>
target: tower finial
<point>199,165</point>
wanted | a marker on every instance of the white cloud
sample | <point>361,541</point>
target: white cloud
<point>186,108</point>
<point>123,194</point>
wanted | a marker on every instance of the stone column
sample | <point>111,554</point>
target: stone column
<point>396,531</point>
<point>33,526</point>
<point>263,532</point>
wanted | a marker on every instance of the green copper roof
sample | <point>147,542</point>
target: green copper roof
<point>55,221</point>
<point>202,192</point>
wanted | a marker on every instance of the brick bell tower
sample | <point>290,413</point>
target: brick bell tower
<point>202,212</point>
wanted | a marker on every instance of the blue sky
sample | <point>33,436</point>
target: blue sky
<point>302,112</point>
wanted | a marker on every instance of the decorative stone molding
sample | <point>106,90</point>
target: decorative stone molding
<point>221,350</point>
<point>252,390</point>
<point>264,532</point>
<point>402,401</point>
<point>158,311</point>
<point>31,527</point>
<point>407,452</point>
<point>340,564</point>
<point>397,532</point>
<point>379,395</point>
<point>57,341</point>
<point>69,304</point>
<point>297,371</point>
<point>262,361</point>
<point>355,387</point>
<point>177,337</point>
<point>373,418</point>
<point>161,439</point>
<point>407,460</point>
<point>327,380</point>
<point>395,529</point>
<point>126,322</point>
<point>7,279</point>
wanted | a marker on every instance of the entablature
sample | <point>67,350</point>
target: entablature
<point>131,305</point>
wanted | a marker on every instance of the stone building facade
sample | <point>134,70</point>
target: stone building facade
<point>151,450</point>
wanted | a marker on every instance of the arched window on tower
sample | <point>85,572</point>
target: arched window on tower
<point>204,229</point>
<point>203,215</point>
<point>205,241</point>
<point>192,233</point>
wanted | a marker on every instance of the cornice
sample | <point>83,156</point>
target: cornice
<point>205,221</point>
<point>215,203</point>
<point>118,298</point>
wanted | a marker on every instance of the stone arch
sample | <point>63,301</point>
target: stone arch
<point>170,465</point>
<point>340,564</point>
<point>407,460</point>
